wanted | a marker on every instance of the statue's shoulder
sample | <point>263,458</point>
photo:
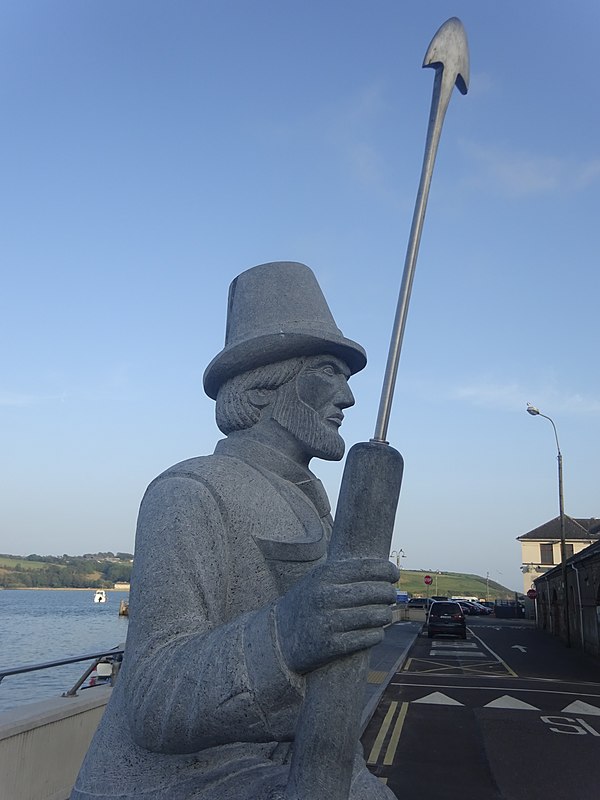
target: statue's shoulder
<point>216,472</point>
<point>198,468</point>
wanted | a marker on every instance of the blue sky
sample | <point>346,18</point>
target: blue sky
<point>151,151</point>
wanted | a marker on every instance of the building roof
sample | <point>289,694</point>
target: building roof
<point>587,530</point>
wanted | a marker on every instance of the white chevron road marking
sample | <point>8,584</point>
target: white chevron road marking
<point>439,699</point>
<point>579,707</point>
<point>506,701</point>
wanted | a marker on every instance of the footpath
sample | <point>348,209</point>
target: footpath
<point>385,660</point>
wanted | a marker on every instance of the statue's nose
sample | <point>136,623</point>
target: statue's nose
<point>344,397</point>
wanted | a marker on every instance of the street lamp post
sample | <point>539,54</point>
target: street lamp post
<point>399,554</point>
<point>535,412</point>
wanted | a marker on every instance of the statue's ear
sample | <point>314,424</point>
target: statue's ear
<point>260,398</point>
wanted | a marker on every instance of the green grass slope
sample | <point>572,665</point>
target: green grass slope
<point>453,584</point>
<point>10,562</point>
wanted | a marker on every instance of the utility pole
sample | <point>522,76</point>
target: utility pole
<point>535,412</point>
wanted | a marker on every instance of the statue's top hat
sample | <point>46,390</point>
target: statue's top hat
<point>277,311</point>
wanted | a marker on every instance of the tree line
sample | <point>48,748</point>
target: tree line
<point>95,571</point>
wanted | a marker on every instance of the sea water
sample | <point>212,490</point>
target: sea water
<point>48,625</point>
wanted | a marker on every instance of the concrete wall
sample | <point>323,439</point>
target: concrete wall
<point>400,613</point>
<point>43,744</point>
<point>417,614</point>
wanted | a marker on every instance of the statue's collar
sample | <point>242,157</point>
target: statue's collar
<point>267,459</point>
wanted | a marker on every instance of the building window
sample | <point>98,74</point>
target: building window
<point>568,550</point>
<point>547,554</point>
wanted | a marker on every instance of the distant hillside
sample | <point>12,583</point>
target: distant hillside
<point>90,571</point>
<point>453,584</point>
<point>103,570</point>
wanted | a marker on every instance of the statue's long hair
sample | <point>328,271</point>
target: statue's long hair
<point>235,411</point>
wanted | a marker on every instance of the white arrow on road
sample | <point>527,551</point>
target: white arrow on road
<point>519,647</point>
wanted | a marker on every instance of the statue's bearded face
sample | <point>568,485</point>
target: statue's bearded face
<point>310,406</point>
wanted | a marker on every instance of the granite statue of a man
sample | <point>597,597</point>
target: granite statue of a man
<point>232,602</point>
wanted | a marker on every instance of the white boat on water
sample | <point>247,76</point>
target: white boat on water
<point>100,596</point>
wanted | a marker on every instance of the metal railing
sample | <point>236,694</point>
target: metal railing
<point>114,657</point>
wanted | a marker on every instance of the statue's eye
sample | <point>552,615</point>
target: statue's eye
<point>328,370</point>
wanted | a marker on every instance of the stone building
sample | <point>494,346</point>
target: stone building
<point>583,595</point>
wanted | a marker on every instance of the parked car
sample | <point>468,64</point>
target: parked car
<point>467,608</point>
<point>474,607</point>
<point>446,616</point>
<point>470,607</point>
<point>420,602</point>
<point>485,610</point>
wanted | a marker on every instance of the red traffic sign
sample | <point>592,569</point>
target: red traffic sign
<point>532,594</point>
<point>428,580</point>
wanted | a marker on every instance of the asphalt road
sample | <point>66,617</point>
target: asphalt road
<point>508,714</point>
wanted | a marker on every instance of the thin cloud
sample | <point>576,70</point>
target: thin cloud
<point>354,132</point>
<point>521,174</point>
<point>349,126</point>
<point>366,107</point>
<point>480,84</point>
<point>366,163</point>
<point>589,174</point>
<point>489,395</point>
<point>515,396</point>
<point>22,400</point>
<point>352,127</point>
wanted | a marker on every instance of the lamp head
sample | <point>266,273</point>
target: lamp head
<point>532,410</point>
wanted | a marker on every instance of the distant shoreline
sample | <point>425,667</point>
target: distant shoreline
<point>57,589</point>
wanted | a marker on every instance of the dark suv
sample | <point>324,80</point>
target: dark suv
<point>446,617</point>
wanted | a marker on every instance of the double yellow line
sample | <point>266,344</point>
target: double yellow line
<point>390,752</point>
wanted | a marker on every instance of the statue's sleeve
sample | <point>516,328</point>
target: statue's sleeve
<point>194,681</point>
